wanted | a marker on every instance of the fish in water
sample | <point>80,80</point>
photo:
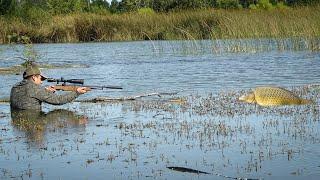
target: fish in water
<point>183,169</point>
<point>273,96</point>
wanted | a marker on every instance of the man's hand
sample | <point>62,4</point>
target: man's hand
<point>82,90</point>
<point>50,89</point>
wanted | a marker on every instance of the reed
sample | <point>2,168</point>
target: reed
<point>281,23</point>
<point>302,22</point>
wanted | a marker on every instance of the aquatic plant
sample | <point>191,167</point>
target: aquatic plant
<point>142,138</point>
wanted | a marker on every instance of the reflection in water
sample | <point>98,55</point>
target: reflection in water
<point>35,124</point>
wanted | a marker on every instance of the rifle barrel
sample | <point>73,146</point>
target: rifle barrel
<point>103,87</point>
<point>74,88</point>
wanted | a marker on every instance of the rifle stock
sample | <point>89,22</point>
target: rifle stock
<point>68,88</point>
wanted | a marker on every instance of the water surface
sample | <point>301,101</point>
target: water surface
<point>138,140</point>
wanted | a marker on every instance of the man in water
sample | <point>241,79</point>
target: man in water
<point>29,95</point>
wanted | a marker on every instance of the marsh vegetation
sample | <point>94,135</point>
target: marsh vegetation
<point>214,133</point>
<point>189,25</point>
<point>299,24</point>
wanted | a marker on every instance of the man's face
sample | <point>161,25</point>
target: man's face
<point>37,79</point>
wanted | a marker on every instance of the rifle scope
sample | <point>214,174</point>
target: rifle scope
<point>62,80</point>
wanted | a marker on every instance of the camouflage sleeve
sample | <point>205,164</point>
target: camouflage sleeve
<point>52,98</point>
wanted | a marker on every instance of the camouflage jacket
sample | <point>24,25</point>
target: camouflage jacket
<point>28,95</point>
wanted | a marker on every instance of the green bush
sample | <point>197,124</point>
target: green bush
<point>146,11</point>
<point>253,6</point>
<point>264,4</point>
<point>64,7</point>
<point>163,5</point>
<point>192,4</point>
<point>7,6</point>
<point>228,4</point>
<point>281,5</point>
<point>35,15</point>
<point>99,10</point>
<point>302,2</point>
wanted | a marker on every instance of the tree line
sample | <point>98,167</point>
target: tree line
<point>54,7</point>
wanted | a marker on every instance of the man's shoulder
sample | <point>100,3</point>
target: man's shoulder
<point>22,83</point>
<point>27,85</point>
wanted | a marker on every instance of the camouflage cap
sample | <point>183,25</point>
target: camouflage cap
<point>33,69</point>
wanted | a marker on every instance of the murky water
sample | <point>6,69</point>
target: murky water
<point>208,130</point>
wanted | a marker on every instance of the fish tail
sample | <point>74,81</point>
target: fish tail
<point>306,101</point>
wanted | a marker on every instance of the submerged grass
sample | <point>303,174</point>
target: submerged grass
<point>302,22</point>
<point>222,135</point>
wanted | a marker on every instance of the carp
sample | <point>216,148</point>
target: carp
<point>273,96</point>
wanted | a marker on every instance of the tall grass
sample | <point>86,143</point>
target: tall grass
<point>302,22</point>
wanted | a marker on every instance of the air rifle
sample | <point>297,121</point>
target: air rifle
<point>66,87</point>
